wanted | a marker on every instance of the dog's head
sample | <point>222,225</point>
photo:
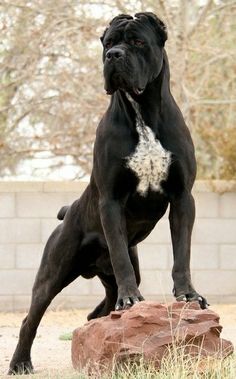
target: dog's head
<point>133,52</point>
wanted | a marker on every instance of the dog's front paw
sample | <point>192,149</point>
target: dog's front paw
<point>194,296</point>
<point>21,368</point>
<point>126,302</point>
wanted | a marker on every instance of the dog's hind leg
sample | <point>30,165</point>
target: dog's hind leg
<point>21,360</point>
<point>53,275</point>
<point>108,303</point>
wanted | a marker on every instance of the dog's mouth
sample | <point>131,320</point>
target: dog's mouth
<point>136,91</point>
<point>118,81</point>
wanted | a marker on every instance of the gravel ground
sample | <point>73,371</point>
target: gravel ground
<point>49,352</point>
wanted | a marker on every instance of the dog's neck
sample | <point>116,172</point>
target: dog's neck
<point>141,126</point>
<point>139,120</point>
<point>142,118</point>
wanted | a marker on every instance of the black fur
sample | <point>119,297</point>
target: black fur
<point>100,231</point>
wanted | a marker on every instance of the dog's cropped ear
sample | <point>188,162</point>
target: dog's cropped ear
<point>115,20</point>
<point>121,17</point>
<point>159,26</point>
<point>102,37</point>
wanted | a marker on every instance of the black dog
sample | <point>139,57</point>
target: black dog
<point>143,161</point>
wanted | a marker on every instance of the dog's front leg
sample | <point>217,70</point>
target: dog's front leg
<point>114,227</point>
<point>182,215</point>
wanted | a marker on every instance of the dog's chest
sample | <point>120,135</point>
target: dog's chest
<point>150,161</point>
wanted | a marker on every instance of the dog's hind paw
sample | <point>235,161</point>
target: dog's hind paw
<point>194,297</point>
<point>21,368</point>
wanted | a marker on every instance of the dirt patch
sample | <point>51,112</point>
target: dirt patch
<point>50,352</point>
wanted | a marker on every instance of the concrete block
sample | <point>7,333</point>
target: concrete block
<point>155,282</point>
<point>228,257</point>
<point>22,241</point>
<point>217,282</point>
<point>16,282</point>
<point>63,302</point>
<point>204,257</point>
<point>225,299</point>
<point>7,256</point>
<point>67,302</point>
<point>160,234</point>
<point>153,256</point>
<point>71,197</point>
<point>28,256</point>
<point>65,186</point>
<point>6,303</point>
<point>80,287</point>
<point>7,231</point>
<point>7,201</point>
<point>207,231</point>
<point>163,299</point>
<point>35,205</point>
<point>97,287</point>
<point>47,227</point>
<point>27,230</point>
<point>207,204</point>
<point>20,186</point>
<point>21,303</point>
<point>218,186</point>
<point>228,205</point>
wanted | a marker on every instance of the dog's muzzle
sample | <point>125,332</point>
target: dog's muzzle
<point>117,74</point>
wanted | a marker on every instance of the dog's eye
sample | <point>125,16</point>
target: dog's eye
<point>138,42</point>
<point>108,45</point>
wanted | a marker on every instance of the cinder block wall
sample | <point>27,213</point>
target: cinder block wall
<point>28,216</point>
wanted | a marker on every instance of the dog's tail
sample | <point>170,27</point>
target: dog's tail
<point>62,212</point>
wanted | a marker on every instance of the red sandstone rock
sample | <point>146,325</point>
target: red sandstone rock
<point>148,329</point>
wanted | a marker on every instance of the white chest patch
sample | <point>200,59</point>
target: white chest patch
<point>150,161</point>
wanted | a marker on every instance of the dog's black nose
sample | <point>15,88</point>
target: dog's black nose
<point>114,53</point>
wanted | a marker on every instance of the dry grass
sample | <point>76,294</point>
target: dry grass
<point>175,366</point>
